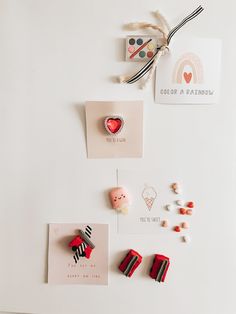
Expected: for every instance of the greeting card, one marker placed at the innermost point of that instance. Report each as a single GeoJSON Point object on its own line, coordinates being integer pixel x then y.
{"type": "Point", "coordinates": [189, 73]}
{"type": "Point", "coordinates": [114, 129]}
{"type": "Point", "coordinates": [153, 200]}
{"type": "Point", "coordinates": [78, 254]}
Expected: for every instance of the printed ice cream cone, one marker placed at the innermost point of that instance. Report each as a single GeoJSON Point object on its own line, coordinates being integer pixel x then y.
{"type": "Point", "coordinates": [149, 195]}
{"type": "Point", "coordinates": [149, 202]}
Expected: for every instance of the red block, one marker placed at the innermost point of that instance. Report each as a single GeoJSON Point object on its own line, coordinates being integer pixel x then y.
{"type": "Point", "coordinates": [130, 263]}
{"type": "Point", "coordinates": [76, 241]}
{"type": "Point", "coordinates": [159, 267]}
{"type": "Point", "coordinates": [88, 251]}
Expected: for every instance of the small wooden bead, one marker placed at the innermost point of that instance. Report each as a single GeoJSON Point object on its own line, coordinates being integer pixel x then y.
{"type": "Point", "coordinates": [185, 225]}
{"type": "Point", "coordinates": [174, 186]}
{"type": "Point", "coordinates": [165, 223]}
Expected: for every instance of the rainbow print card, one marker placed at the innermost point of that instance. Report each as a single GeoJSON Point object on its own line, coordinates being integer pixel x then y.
{"type": "Point", "coordinates": [189, 73]}
{"type": "Point", "coordinates": [67, 264]}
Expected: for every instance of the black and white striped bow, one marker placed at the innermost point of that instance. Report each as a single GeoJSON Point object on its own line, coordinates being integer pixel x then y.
{"type": "Point", "coordinates": [151, 64]}
{"type": "Point", "coordinates": [80, 250]}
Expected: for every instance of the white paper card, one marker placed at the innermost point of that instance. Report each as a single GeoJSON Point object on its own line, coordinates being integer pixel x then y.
{"type": "Point", "coordinates": [189, 73]}
{"type": "Point", "coordinates": [150, 192]}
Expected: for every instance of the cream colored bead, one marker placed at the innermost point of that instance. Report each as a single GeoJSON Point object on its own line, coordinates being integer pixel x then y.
{"type": "Point", "coordinates": [176, 188]}
{"type": "Point", "coordinates": [180, 202]}
{"type": "Point", "coordinates": [178, 191]}
{"type": "Point", "coordinates": [186, 239]}
{"type": "Point", "coordinates": [170, 207]}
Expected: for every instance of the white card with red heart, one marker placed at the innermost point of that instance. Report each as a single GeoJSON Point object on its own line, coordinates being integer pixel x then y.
{"type": "Point", "coordinates": [189, 73]}
{"type": "Point", "coordinates": [114, 129]}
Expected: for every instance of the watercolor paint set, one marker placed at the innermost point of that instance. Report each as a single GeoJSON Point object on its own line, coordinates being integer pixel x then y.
{"type": "Point", "coordinates": [140, 48]}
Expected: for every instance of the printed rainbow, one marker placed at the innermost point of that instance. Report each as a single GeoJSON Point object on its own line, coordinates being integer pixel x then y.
{"type": "Point", "coordinates": [194, 63]}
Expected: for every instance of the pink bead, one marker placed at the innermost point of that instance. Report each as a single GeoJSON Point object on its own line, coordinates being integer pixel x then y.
{"type": "Point", "coordinates": [185, 225]}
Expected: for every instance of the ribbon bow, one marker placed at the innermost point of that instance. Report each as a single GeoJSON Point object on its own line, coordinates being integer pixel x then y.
{"type": "Point", "coordinates": [167, 34]}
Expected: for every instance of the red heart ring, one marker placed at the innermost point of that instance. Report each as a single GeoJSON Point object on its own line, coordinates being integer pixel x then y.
{"type": "Point", "coordinates": [113, 124]}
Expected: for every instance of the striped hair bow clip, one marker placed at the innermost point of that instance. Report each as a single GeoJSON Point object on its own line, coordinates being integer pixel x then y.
{"type": "Point", "coordinates": [167, 34]}
{"type": "Point", "coordinates": [82, 245]}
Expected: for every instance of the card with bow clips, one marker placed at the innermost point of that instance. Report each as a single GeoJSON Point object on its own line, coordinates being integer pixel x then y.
{"type": "Point", "coordinates": [78, 253]}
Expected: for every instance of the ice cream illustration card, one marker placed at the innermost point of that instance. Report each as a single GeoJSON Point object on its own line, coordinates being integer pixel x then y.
{"type": "Point", "coordinates": [149, 193]}
{"type": "Point", "coordinates": [189, 73]}
{"type": "Point", "coordinates": [78, 254]}
{"type": "Point", "coordinates": [114, 129]}
{"type": "Point", "coordinates": [144, 213]}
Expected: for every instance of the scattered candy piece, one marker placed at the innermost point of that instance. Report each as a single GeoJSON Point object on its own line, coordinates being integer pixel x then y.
{"type": "Point", "coordinates": [119, 199]}
{"type": "Point", "coordinates": [189, 212]}
{"type": "Point", "coordinates": [190, 205]}
{"type": "Point", "coordinates": [176, 188]}
{"type": "Point", "coordinates": [165, 223]}
{"type": "Point", "coordinates": [182, 211]}
{"type": "Point", "coordinates": [170, 207]}
{"type": "Point", "coordinates": [130, 263]}
{"type": "Point", "coordinates": [180, 202]}
{"type": "Point", "coordinates": [184, 225]}
{"type": "Point", "coordinates": [186, 239]}
{"type": "Point", "coordinates": [159, 267]}
{"type": "Point", "coordinates": [178, 191]}
{"type": "Point", "coordinates": [177, 229]}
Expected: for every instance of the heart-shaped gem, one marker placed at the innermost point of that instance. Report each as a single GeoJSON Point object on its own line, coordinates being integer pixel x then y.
{"type": "Point", "coordinates": [113, 124]}
{"type": "Point", "coordinates": [187, 77]}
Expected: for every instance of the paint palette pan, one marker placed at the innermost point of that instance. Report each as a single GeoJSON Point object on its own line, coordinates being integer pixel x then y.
{"type": "Point", "coordinates": [140, 48]}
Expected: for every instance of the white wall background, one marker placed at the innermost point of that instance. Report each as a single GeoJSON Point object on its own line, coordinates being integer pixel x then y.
{"type": "Point", "coordinates": [54, 55]}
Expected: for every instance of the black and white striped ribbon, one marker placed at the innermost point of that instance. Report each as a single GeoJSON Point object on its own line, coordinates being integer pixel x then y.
{"type": "Point", "coordinates": [88, 231]}
{"type": "Point", "coordinates": [149, 64]}
{"type": "Point", "coordinates": [81, 248]}
{"type": "Point", "coordinates": [79, 252]}
{"type": "Point", "coordinates": [86, 239]}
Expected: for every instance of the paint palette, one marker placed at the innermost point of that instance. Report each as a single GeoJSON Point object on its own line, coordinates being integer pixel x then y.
{"type": "Point", "coordinates": [140, 48]}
